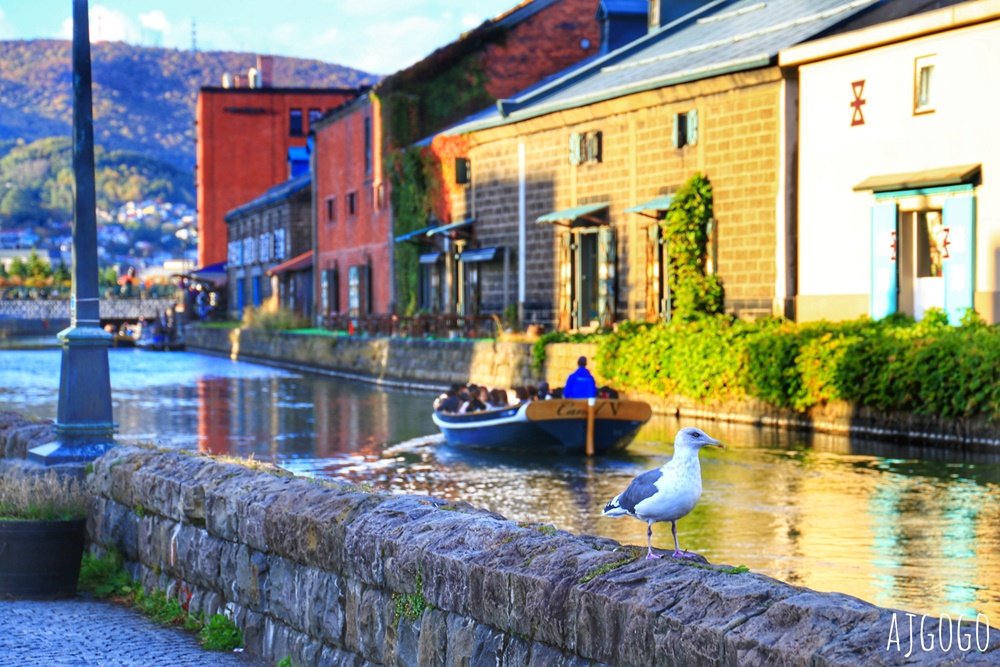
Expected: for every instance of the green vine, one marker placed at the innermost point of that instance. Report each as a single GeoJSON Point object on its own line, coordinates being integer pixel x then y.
{"type": "Point", "coordinates": [411, 206]}
{"type": "Point", "coordinates": [694, 293]}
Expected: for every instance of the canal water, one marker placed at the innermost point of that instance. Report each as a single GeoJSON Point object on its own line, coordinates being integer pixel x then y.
{"type": "Point", "coordinates": [909, 527]}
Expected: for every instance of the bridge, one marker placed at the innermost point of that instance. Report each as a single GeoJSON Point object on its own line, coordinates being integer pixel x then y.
{"type": "Point", "coordinates": [43, 316]}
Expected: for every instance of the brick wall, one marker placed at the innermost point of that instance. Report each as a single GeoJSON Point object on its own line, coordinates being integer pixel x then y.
{"type": "Point", "coordinates": [545, 43]}
{"type": "Point", "coordinates": [243, 142]}
{"type": "Point", "coordinates": [364, 237]}
{"type": "Point", "coordinates": [738, 149]}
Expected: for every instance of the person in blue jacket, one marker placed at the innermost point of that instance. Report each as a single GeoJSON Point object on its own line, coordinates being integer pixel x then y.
{"type": "Point", "coordinates": [580, 383]}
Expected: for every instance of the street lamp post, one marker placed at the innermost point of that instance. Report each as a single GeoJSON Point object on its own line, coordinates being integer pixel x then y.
{"type": "Point", "coordinates": [84, 422]}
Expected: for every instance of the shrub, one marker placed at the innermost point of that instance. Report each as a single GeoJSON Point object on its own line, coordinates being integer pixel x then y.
{"type": "Point", "coordinates": [271, 317]}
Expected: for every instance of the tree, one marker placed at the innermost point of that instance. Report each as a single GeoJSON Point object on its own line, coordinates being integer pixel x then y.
{"type": "Point", "coordinates": [37, 268]}
{"type": "Point", "coordinates": [61, 276]}
{"type": "Point", "coordinates": [18, 269]}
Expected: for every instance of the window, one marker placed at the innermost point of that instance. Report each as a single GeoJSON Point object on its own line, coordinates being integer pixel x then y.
{"type": "Point", "coordinates": [314, 115]}
{"type": "Point", "coordinates": [686, 129]}
{"type": "Point", "coordinates": [331, 209]}
{"type": "Point", "coordinates": [585, 147]}
{"type": "Point", "coordinates": [295, 122]}
{"type": "Point", "coordinates": [279, 244]}
{"type": "Point", "coordinates": [923, 85]}
{"type": "Point", "coordinates": [352, 203]}
{"type": "Point", "coordinates": [368, 146]}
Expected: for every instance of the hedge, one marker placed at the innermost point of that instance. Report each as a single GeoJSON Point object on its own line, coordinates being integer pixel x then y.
{"type": "Point", "coordinates": [927, 368]}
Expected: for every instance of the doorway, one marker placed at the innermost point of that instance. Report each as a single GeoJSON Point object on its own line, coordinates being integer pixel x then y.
{"type": "Point", "coordinates": [922, 251]}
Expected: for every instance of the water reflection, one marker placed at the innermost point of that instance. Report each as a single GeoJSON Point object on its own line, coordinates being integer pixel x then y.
{"type": "Point", "coordinates": [901, 526]}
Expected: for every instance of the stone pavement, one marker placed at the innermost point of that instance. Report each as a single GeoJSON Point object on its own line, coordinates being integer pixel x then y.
{"type": "Point", "coordinates": [86, 633]}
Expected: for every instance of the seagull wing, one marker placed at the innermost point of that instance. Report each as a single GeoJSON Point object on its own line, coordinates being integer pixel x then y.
{"type": "Point", "coordinates": [642, 487]}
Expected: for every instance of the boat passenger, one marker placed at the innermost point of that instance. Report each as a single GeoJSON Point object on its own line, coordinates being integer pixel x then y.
{"type": "Point", "coordinates": [607, 392]}
{"type": "Point", "coordinates": [580, 383]}
{"type": "Point", "coordinates": [453, 391]}
{"type": "Point", "coordinates": [451, 403]}
{"type": "Point", "coordinates": [532, 392]}
{"type": "Point", "coordinates": [498, 398]}
{"type": "Point", "coordinates": [543, 391]}
{"type": "Point", "coordinates": [521, 394]}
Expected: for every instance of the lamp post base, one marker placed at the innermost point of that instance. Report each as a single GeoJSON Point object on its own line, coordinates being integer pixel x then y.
{"type": "Point", "coordinates": [59, 453]}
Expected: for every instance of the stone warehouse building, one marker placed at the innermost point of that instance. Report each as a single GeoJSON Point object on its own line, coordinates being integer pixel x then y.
{"type": "Point", "coordinates": [572, 174]}
{"type": "Point", "coordinates": [270, 248]}
{"type": "Point", "coordinates": [245, 132]}
{"type": "Point", "coordinates": [357, 147]}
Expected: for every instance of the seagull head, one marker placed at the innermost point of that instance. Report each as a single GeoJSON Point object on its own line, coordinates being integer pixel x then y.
{"type": "Point", "coordinates": [695, 439]}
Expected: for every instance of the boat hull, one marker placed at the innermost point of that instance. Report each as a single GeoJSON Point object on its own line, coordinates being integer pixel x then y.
{"type": "Point", "coordinates": [556, 426]}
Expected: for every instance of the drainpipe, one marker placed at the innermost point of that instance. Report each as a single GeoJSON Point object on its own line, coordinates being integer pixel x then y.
{"type": "Point", "coordinates": [317, 284]}
{"type": "Point", "coordinates": [522, 269]}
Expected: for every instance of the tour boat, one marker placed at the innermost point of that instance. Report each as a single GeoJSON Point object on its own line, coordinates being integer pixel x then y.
{"type": "Point", "coordinates": [554, 425]}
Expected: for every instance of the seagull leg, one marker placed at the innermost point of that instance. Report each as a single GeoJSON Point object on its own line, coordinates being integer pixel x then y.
{"type": "Point", "coordinates": [649, 543]}
{"type": "Point", "coordinates": [677, 547]}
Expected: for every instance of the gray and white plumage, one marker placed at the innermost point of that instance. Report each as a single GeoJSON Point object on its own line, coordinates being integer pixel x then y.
{"type": "Point", "coordinates": [667, 493]}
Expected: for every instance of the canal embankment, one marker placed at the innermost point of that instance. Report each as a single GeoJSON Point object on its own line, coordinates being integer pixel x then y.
{"type": "Point", "coordinates": [335, 574]}
{"type": "Point", "coordinates": [435, 364]}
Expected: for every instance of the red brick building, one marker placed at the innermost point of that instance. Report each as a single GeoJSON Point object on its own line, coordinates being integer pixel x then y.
{"type": "Point", "coordinates": [353, 222]}
{"type": "Point", "coordinates": [355, 225]}
{"type": "Point", "coordinates": [244, 136]}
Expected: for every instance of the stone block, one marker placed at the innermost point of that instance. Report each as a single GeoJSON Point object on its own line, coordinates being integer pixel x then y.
{"type": "Point", "coordinates": [461, 641]}
{"type": "Point", "coordinates": [432, 645]}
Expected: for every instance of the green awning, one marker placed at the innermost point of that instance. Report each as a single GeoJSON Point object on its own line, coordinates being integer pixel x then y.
{"type": "Point", "coordinates": [578, 216]}
{"type": "Point", "coordinates": [916, 180]}
{"type": "Point", "coordinates": [653, 207]}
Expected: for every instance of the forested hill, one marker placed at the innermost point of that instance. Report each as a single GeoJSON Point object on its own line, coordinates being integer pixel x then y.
{"type": "Point", "coordinates": [144, 98]}
{"type": "Point", "coordinates": [36, 181]}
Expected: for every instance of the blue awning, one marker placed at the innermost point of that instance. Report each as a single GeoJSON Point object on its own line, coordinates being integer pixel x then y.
{"type": "Point", "coordinates": [431, 231]}
{"type": "Point", "coordinates": [653, 206]}
{"type": "Point", "coordinates": [578, 216]}
{"type": "Point", "coordinates": [430, 258]}
{"type": "Point", "coordinates": [479, 255]}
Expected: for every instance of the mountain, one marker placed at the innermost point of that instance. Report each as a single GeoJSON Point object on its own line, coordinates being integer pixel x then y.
{"type": "Point", "coordinates": [144, 98]}
{"type": "Point", "coordinates": [36, 181]}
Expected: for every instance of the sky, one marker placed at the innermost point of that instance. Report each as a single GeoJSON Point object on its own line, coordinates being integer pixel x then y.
{"type": "Point", "coordinates": [378, 36]}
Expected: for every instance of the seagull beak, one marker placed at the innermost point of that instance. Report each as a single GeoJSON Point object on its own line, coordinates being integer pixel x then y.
{"type": "Point", "coordinates": [716, 443]}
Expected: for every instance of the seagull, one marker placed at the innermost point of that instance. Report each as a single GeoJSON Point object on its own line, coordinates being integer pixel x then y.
{"type": "Point", "coordinates": [667, 493]}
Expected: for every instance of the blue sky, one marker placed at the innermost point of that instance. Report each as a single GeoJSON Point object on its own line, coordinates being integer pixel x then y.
{"type": "Point", "coordinates": [378, 36]}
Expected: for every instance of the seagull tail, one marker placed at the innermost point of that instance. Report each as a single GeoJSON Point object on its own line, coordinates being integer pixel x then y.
{"type": "Point", "coordinates": [614, 509]}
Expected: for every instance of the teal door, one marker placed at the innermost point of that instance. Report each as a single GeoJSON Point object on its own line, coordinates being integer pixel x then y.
{"type": "Point", "coordinates": [885, 278]}
{"type": "Point", "coordinates": [960, 259]}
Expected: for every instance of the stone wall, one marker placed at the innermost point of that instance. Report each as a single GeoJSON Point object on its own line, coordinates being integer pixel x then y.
{"type": "Point", "coordinates": [429, 364]}
{"type": "Point", "coordinates": [417, 363]}
{"type": "Point", "coordinates": [332, 575]}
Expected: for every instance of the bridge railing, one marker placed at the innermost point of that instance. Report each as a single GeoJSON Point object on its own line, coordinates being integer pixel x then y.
{"type": "Point", "coordinates": [58, 309]}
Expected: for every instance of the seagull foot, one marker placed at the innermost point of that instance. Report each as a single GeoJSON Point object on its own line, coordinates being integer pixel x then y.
{"type": "Point", "coordinates": [652, 556]}
{"type": "Point", "coordinates": [683, 554]}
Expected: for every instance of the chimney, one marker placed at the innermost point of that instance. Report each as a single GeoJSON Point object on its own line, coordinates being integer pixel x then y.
{"type": "Point", "coordinates": [238, 81]}
{"type": "Point", "coordinates": [622, 21]}
{"type": "Point", "coordinates": [253, 77]}
{"type": "Point", "coordinates": [265, 65]}
{"type": "Point", "coordinates": [662, 12]}
{"type": "Point", "coordinates": [227, 80]}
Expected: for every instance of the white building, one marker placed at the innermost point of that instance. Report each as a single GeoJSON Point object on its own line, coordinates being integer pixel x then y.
{"type": "Point", "coordinates": [898, 139]}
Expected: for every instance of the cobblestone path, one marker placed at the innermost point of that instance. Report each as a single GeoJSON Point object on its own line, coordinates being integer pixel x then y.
{"type": "Point", "coordinates": [86, 633]}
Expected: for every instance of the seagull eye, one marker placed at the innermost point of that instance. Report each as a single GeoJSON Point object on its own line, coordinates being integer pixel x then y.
{"type": "Point", "coordinates": [697, 435]}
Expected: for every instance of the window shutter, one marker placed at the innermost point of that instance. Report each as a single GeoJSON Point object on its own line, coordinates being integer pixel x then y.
{"type": "Point", "coordinates": [606, 277]}
{"type": "Point", "coordinates": [594, 147]}
{"type": "Point", "coordinates": [652, 272]}
{"type": "Point", "coordinates": [883, 300]}
{"type": "Point", "coordinates": [960, 262]}
{"type": "Point", "coordinates": [692, 127]}
{"type": "Point", "coordinates": [677, 130]}
{"type": "Point", "coordinates": [565, 280]}
{"type": "Point", "coordinates": [575, 148]}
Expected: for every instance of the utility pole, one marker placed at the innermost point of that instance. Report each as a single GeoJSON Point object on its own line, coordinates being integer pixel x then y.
{"type": "Point", "coordinates": [84, 423]}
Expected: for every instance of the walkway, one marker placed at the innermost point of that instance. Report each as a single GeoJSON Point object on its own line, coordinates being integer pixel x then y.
{"type": "Point", "coordinates": [83, 633]}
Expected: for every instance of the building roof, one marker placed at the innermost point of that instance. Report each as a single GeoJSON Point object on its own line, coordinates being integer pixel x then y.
{"type": "Point", "coordinates": [718, 38]}
{"type": "Point", "coordinates": [941, 20]}
{"type": "Point", "coordinates": [275, 194]}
